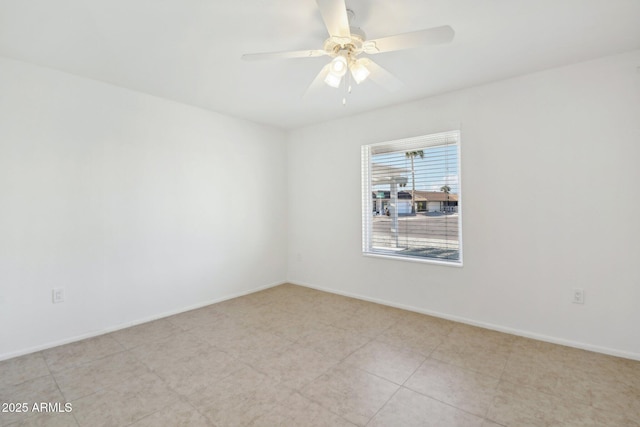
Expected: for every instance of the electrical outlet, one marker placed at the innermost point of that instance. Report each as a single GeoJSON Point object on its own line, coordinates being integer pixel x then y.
{"type": "Point", "coordinates": [58, 295]}
{"type": "Point", "coordinates": [578, 296]}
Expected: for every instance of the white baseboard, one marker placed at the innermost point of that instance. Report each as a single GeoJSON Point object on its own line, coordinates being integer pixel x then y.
{"type": "Point", "coordinates": [494, 327]}
{"type": "Point", "coordinates": [125, 325]}
{"type": "Point", "coordinates": [512, 331]}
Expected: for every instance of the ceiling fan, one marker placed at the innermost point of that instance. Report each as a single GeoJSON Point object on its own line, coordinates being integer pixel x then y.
{"type": "Point", "coordinates": [346, 44]}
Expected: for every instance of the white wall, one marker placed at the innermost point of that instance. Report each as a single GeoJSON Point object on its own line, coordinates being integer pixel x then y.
{"type": "Point", "coordinates": [550, 181]}
{"type": "Point", "coordinates": [137, 206]}
{"type": "Point", "coordinates": [122, 199]}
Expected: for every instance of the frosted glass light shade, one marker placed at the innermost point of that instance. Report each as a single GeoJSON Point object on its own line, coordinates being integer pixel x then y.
{"type": "Point", "coordinates": [359, 71]}
{"type": "Point", "coordinates": [338, 66]}
{"type": "Point", "coordinates": [333, 80]}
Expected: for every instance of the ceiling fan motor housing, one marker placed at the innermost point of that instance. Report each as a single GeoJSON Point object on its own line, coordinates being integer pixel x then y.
{"type": "Point", "coordinates": [353, 45]}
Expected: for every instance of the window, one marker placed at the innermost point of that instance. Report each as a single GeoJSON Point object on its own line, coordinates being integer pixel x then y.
{"type": "Point", "coordinates": [411, 200]}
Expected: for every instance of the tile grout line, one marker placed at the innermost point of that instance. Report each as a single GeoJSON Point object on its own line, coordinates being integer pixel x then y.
{"type": "Point", "coordinates": [431, 397]}
{"type": "Point", "coordinates": [383, 405]}
{"type": "Point", "coordinates": [58, 386]}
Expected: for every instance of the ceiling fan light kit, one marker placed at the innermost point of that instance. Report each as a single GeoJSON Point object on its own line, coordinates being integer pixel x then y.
{"type": "Point", "coordinates": [359, 70]}
{"type": "Point", "coordinates": [346, 43]}
{"type": "Point", "coordinates": [338, 66]}
{"type": "Point", "coordinates": [333, 80]}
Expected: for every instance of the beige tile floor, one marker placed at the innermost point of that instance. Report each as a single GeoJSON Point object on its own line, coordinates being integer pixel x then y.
{"type": "Point", "coordinates": [292, 356]}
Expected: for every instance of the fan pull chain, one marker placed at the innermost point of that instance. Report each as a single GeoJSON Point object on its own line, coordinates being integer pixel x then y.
{"type": "Point", "coordinates": [347, 88]}
{"type": "Point", "coordinates": [344, 98]}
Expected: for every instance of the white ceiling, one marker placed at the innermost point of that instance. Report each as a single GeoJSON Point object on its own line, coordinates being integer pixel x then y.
{"type": "Point", "coordinates": [189, 50]}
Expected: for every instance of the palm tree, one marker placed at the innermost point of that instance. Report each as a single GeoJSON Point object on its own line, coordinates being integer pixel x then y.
{"type": "Point", "coordinates": [411, 155]}
{"type": "Point", "coordinates": [446, 189]}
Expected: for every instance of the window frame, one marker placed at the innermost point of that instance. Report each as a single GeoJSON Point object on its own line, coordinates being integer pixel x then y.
{"type": "Point", "coordinates": [404, 145]}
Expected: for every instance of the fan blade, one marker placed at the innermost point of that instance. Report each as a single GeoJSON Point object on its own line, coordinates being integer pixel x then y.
{"type": "Point", "coordinates": [284, 55]}
{"type": "Point", "coordinates": [318, 81]}
{"type": "Point", "coordinates": [382, 77]}
{"type": "Point", "coordinates": [411, 40]}
{"type": "Point", "coordinates": [334, 15]}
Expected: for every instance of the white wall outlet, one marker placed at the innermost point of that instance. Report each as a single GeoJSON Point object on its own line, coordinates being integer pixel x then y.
{"type": "Point", "coordinates": [58, 295]}
{"type": "Point", "coordinates": [578, 296]}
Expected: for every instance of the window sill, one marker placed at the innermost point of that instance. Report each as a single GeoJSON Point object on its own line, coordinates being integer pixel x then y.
{"type": "Point", "coordinates": [457, 264]}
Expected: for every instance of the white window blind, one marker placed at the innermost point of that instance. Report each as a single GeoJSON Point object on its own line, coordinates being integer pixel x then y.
{"type": "Point", "coordinates": [411, 198]}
